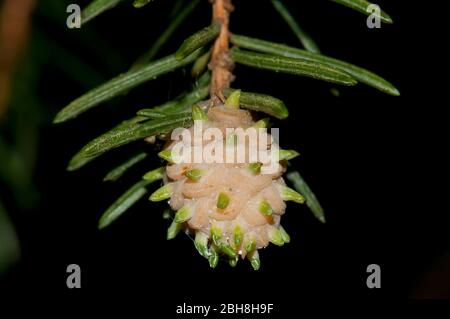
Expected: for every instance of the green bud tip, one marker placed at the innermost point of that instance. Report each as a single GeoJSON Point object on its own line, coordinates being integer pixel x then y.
{"type": "Point", "coordinates": [263, 123]}
{"type": "Point", "coordinates": [265, 208]}
{"type": "Point", "coordinates": [286, 155]}
{"type": "Point", "coordinates": [250, 245]}
{"type": "Point", "coordinates": [216, 235]}
{"type": "Point", "coordinates": [166, 155]}
{"type": "Point", "coordinates": [255, 168]}
{"type": "Point", "coordinates": [237, 236]}
{"type": "Point", "coordinates": [233, 262]}
{"type": "Point", "coordinates": [284, 235]}
{"type": "Point", "coordinates": [254, 260]}
{"type": "Point", "coordinates": [194, 174]}
{"type": "Point", "coordinates": [173, 230]}
{"type": "Point", "coordinates": [233, 100]}
{"type": "Point", "coordinates": [288, 194]}
{"type": "Point", "coordinates": [275, 237]}
{"type": "Point", "coordinates": [223, 200]}
{"type": "Point", "coordinates": [198, 114]}
{"type": "Point", "coordinates": [162, 193]}
{"type": "Point", "coordinates": [227, 250]}
{"type": "Point", "coordinates": [154, 175]}
{"type": "Point", "coordinates": [201, 244]}
{"type": "Point", "coordinates": [183, 214]}
{"type": "Point", "coordinates": [213, 257]}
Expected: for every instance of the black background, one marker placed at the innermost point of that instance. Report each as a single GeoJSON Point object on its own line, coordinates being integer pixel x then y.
{"type": "Point", "coordinates": [361, 154]}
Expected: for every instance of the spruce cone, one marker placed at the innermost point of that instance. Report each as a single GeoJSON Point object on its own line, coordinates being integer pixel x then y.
{"type": "Point", "coordinates": [234, 208]}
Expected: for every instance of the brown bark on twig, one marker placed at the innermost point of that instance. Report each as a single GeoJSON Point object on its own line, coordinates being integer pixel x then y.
{"type": "Point", "coordinates": [221, 64]}
{"type": "Point", "coordinates": [15, 16]}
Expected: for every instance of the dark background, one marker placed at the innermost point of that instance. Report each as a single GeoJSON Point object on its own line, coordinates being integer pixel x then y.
{"type": "Point", "coordinates": [361, 153]}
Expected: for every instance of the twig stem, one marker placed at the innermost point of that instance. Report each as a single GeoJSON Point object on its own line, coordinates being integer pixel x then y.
{"type": "Point", "coordinates": [221, 64]}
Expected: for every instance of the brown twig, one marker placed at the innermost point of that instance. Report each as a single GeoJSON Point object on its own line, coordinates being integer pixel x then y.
{"type": "Point", "coordinates": [15, 21]}
{"type": "Point", "coordinates": [221, 64]}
